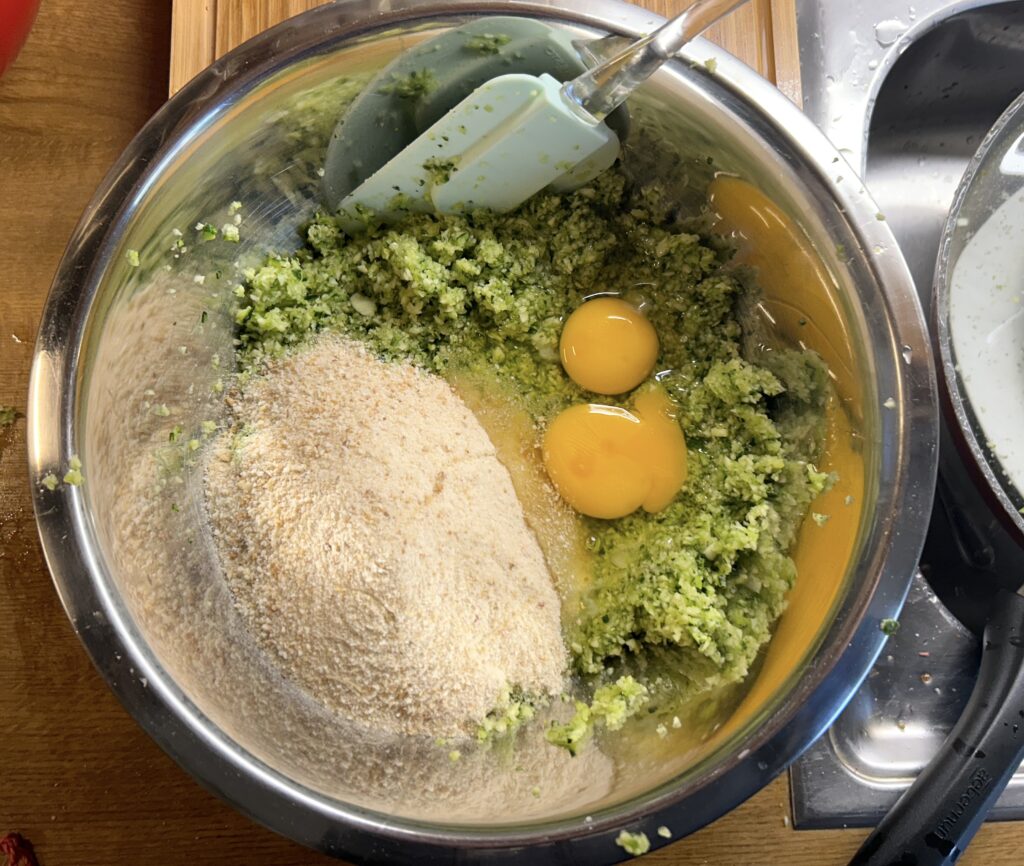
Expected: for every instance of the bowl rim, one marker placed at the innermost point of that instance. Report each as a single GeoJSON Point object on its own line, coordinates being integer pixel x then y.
{"type": "Point", "coordinates": [848, 652]}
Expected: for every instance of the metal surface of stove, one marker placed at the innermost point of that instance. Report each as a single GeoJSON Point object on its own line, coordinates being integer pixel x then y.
{"type": "Point", "coordinates": [907, 91]}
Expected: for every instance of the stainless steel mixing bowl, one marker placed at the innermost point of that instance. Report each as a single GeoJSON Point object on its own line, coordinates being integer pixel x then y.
{"type": "Point", "coordinates": [124, 351]}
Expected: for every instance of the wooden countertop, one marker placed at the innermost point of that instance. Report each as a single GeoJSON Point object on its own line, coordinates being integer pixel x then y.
{"type": "Point", "coordinates": [762, 32]}
{"type": "Point", "coordinates": [77, 776]}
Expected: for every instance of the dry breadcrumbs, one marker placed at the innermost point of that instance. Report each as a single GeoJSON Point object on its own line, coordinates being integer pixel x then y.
{"type": "Point", "coordinates": [375, 545]}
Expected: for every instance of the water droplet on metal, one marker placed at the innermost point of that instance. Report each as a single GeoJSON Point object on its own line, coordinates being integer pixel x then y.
{"type": "Point", "coordinates": [908, 354]}
{"type": "Point", "coordinates": [888, 31]}
{"type": "Point", "coordinates": [872, 64]}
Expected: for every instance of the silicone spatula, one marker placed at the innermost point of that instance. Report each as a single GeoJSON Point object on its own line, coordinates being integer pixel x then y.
{"type": "Point", "coordinates": [422, 84]}
{"type": "Point", "coordinates": [517, 134]}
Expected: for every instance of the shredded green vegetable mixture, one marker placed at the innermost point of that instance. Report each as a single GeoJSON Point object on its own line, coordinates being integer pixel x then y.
{"type": "Point", "coordinates": [694, 589]}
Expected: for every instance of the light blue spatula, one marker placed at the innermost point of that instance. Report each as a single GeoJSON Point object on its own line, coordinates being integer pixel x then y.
{"type": "Point", "coordinates": [518, 134]}
{"type": "Point", "coordinates": [423, 84]}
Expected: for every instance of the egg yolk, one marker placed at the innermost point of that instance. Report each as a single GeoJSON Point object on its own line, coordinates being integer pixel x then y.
{"type": "Point", "coordinates": [608, 346]}
{"type": "Point", "coordinates": [607, 462]}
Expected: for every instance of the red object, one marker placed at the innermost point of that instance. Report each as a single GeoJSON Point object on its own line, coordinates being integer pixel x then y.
{"type": "Point", "coordinates": [15, 847]}
{"type": "Point", "coordinates": [16, 17]}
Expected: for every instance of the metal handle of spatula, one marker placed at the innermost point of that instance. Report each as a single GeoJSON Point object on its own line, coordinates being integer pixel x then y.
{"type": "Point", "coordinates": [936, 817]}
{"type": "Point", "coordinates": [601, 90]}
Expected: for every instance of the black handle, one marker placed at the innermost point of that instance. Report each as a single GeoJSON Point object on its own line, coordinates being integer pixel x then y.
{"type": "Point", "coordinates": [937, 817]}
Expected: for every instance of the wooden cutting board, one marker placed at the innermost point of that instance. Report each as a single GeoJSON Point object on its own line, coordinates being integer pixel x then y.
{"type": "Point", "coordinates": [762, 33]}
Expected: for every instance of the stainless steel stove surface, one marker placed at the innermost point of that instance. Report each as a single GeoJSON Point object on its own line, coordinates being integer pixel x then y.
{"type": "Point", "coordinates": [907, 91]}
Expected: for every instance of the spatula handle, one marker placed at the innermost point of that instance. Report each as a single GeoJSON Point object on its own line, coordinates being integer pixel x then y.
{"type": "Point", "coordinates": [936, 817]}
{"type": "Point", "coordinates": [604, 88]}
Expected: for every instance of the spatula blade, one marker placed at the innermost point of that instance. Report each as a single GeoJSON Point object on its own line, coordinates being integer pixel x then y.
{"type": "Point", "coordinates": [506, 141]}
{"type": "Point", "coordinates": [540, 142]}
{"type": "Point", "coordinates": [381, 121]}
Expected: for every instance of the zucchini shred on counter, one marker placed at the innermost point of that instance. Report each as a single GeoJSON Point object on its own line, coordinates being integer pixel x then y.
{"type": "Point", "coordinates": [671, 604]}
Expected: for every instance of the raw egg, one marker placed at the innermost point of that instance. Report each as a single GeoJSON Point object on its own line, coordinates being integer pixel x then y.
{"type": "Point", "coordinates": [607, 462]}
{"type": "Point", "coordinates": [608, 346]}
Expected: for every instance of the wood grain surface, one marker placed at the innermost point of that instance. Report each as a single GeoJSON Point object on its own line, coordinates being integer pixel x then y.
{"type": "Point", "coordinates": [77, 776]}
{"type": "Point", "coordinates": [205, 29]}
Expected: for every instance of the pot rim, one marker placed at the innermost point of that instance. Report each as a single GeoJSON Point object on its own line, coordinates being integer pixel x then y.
{"type": "Point", "coordinates": [849, 649]}
{"type": "Point", "coordinates": [983, 464]}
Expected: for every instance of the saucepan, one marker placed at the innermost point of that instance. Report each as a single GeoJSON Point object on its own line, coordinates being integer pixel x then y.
{"type": "Point", "coordinates": [124, 334]}
{"type": "Point", "coordinates": [978, 337]}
